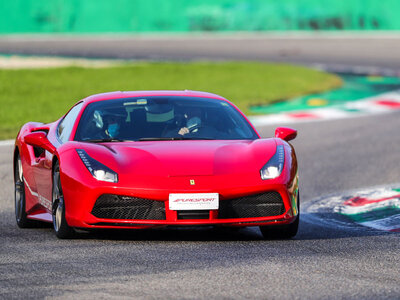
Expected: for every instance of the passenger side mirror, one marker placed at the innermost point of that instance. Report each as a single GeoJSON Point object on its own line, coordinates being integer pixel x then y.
{"type": "Point", "coordinates": [39, 139]}
{"type": "Point", "coordinates": [285, 133]}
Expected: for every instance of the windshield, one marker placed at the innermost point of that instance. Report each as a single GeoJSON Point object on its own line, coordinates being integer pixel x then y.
{"type": "Point", "coordinates": [162, 118]}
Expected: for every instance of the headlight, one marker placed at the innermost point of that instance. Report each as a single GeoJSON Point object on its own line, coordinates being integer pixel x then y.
{"type": "Point", "coordinates": [97, 169]}
{"type": "Point", "coordinates": [273, 168]}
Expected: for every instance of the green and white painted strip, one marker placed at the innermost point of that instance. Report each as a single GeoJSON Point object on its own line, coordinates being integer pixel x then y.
{"type": "Point", "coordinates": [359, 96]}
{"type": "Point", "coordinates": [375, 208]}
{"type": "Point", "coordinates": [382, 103]}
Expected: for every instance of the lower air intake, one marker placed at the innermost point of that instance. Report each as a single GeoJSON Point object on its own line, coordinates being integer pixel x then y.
{"type": "Point", "coordinates": [109, 206]}
{"type": "Point", "coordinates": [260, 205]}
{"type": "Point", "coordinates": [193, 214]}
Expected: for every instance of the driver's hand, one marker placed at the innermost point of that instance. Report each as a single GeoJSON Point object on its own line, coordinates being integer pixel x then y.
{"type": "Point", "coordinates": [183, 131]}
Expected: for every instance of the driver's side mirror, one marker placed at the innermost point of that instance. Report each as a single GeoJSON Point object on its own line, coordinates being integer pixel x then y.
{"type": "Point", "coordinates": [39, 139]}
{"type": "Point", "coordinates": [285, 133]}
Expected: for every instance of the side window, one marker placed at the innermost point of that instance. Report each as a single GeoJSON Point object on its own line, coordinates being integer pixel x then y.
{"type": "Point", "coordinates": [66, 125]}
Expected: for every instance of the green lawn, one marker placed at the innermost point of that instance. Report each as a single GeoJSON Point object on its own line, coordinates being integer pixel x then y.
{"type": "Point", "coordinates": [44, 95]}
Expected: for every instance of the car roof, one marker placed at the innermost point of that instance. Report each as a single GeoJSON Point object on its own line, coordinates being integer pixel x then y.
{"type": "Point", "coordinates": [130, 94]}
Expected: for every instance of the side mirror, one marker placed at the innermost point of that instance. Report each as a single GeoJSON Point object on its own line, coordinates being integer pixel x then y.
{"type": "Point", "coordinates": [39, 139]}
{"type": "Point", "coordinates": [285, 133]}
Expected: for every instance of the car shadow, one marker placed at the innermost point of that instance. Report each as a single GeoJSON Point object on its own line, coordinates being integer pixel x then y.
{"type": "Point", "coordinates": [307, 231]}
{"type": "Point", "coordinates": [313, 226]}
{"type": "Point", "coordinates": [173, 233]}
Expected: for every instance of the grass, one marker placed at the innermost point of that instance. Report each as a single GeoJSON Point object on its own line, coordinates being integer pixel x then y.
{"type": "Point", "coordinates": [44, 95]}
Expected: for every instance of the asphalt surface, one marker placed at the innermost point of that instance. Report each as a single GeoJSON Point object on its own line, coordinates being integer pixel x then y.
{"type": "Point", "coordinates": [322, 262]}
{"type": "Point", "coordinates": [335, 50]}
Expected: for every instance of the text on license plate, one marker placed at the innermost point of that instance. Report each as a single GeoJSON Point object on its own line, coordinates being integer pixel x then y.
{"type": "Point", "coordinates": [193, 201]}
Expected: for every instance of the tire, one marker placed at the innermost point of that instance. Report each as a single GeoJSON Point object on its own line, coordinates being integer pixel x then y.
{"type": "Point", "coordinates": [60, 225]}
{"type": "Point", "coordinates": [19, 197]}
{"type": "Point", "coordinates": [283, 231]}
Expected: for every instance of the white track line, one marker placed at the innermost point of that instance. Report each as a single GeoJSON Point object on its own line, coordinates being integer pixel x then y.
{"type": "Point", "coordinates": [7, 143]}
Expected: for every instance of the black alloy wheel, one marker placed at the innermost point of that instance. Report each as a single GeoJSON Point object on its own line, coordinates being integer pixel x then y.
{"type": "Point", "coordinates": [60, 225]}
{"type": "Point", "coordinates": [19, 196]}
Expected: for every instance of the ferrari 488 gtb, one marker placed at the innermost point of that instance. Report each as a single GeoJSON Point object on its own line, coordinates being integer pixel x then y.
{"type": "Point", "coordinates": [156, 158]}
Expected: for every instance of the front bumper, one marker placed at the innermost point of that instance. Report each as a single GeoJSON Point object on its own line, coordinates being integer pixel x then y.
{"type": "Point", "coordinates": [81, 191]}
{"type": "Point", "coordinates": [80, 200]}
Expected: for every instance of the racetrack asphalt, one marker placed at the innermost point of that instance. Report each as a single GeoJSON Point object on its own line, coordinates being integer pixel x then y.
{"type": "Point", "coordinates": [321, 262]}
{"type": "Point", "coordinates": [342, 50]}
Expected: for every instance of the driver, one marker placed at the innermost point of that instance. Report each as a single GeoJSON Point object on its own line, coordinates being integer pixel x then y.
{"type": "Point", "coordinates": [114, 121]}
{"type": "Point", "coordinates": [193, 121]}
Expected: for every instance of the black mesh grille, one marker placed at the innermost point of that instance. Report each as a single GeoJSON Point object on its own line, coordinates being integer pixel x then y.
{"type": "Point", "coordinates": [122, 207]}
{"type": "Point", "coordinates": [260, 205]}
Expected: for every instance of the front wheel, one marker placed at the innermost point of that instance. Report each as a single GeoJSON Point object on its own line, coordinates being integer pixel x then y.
{"type": "Point", "coordinates": [283, 231]}
{"type": "Point", "coordinates": [19, 197]}
{"type": "Point", "coordinates": [61, 227]}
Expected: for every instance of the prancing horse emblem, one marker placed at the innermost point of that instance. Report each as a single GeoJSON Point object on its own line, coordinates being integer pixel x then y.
{"type": "Point", "coordinates": [192, 182]}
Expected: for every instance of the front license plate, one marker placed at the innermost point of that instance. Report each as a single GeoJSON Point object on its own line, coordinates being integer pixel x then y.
{"type": "Point", "coordinates": [206, 201]}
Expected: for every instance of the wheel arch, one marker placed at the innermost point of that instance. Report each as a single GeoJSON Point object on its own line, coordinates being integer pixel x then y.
{"type": "Point", "coordinates": [53, 162]}
{"type": "Point", "coordinates": [15, 155]}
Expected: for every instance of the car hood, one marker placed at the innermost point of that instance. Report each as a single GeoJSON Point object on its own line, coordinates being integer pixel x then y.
{"type": "Point", "coordinates": [184, 158]}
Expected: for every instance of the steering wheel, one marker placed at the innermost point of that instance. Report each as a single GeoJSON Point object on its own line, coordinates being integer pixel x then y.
{"type": "Point", "coordinates": [193, 128]}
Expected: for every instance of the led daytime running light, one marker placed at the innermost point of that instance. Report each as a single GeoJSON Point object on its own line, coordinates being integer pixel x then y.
{"type": "Point", "coordinates": [273, 168]}
{"type": "Point", "coordinates": [97, 169]}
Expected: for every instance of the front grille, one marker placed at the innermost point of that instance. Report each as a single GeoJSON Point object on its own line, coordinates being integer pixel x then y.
{"type": "Point", "coordinates": [260, 205]}
{"type": "Point", "coordinates": [193, 214]}
{"type": "Point", "coordinates": [109, 206]}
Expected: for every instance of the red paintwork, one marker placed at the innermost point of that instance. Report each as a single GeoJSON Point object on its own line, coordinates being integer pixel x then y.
{"type": "Point", "coordinates": [152, 170]}
{"type": "Point", "coordinates": [302, 115]}
{"type": "Point", "coordinates": [285, 133]}
{"type": "Point", "coordinates": [361, 201]}
{"type": "Point", "coordinates": [39, 138]}
{"type": "Point", "coordinates": [393, 104]}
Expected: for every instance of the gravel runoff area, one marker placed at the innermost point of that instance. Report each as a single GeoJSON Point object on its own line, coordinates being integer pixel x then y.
{"type": "Point", "coordinates": [33, 62]}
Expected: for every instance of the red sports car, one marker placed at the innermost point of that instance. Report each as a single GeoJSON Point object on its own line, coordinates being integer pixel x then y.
{"type": "Point", "coordinates": [155, 158]}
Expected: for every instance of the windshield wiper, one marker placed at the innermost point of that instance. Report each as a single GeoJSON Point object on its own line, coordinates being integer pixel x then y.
{"type": "Point", "coordinates": [180, 138]}
{"type": "Point", "coordinates": [106, 140]}
{"type": "Point", "coordinates": [197, 138]}
{"type": "Point", "coordinates": [160, 139]}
